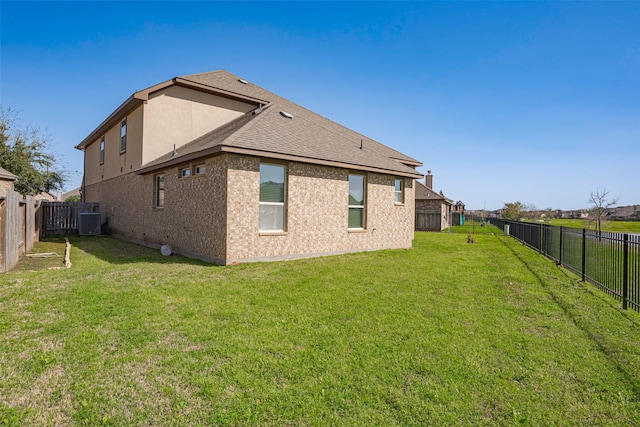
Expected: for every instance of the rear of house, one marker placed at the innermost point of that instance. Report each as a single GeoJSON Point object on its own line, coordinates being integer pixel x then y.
{"type": "Point", "coordinates": [223, 170]}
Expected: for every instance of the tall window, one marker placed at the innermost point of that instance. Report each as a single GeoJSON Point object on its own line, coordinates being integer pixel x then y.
{"type": "Point", "coordinates": [272, 197]}
{"type": "Point", "coordinates": [357, 201]}
{"type": "Point", "coordinates": [123, 136]}
{"type": "Point", "coordinates": [399, 191]}
{"type": "Point", "coordinates": [158, 188]}
{"type": "Point", "coordinates": [102, 150]}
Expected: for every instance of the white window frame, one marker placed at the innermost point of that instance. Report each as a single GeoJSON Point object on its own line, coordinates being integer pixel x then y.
{"type": "Point", "coordinates": [363, 206]}
{"type": "Point", "coordinates": [102, 144]}
{"type": "Point", "coordinates": [123, 136]}
{"type": "Point", "coordinates": [283, 203]}
{"type": "Point", "coordinates": [185, 172]}
{"type": "Point", "coordinates": [199, 169]}
{"type": "Point", "coordinates": [398, 196]}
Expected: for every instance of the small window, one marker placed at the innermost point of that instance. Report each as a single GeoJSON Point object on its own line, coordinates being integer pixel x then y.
{"type": "Point", "coordinates": [199, 170]}
{"type": "Point", "coordinates": [102, 150]}
{"type": "Point", "coordinates": [272, 197]}
{"type": "Point", "coordinates": [399, 191]}
{"type": "Point", "coordinates": [123, 136]}
{"type": "Point", "coordinates": [357, 201]}
{"type": "Point", "coordinates": [159, 191]}
{"type": "Point", "coordinates": [185, 172]}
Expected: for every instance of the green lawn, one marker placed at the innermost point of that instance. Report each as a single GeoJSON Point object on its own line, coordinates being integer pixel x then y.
{"type": "Point", "coordinates": [447, 333]}
{"type": "Point", "coordinates": [615, 226]}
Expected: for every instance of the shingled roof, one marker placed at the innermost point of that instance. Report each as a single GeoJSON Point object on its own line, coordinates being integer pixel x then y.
{"type": "Point", "coordinates": [6, 175]}
{"type": "Point", "coordinates": [425, 193]}
{"type": "Point", "coordinates": [279, 128]}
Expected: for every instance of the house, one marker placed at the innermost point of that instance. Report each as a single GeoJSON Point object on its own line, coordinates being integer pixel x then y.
{"type": "Point", "coordinates": [47, 197]}
{"type": "Point", "coordinates": [75, 193]}
{"type": "Point", "coordinates": [623, 213]}
{"type": "Point", "coordinates": [6, 181]}
{"type": "Point", "coordinates": [220, 169]}
{"type": "Point", "coordinates": [457, 213]}
{"type": "Point", "coordinates": [433, 209]}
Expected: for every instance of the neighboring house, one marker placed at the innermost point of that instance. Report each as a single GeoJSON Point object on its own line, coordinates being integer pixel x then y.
{"type": "Point", "coordinates": [6, 181]}
{"type": "Point", "coordinates": [46, 196]}
{"type": "Point", "coordinates": [457, 213]}
{"type": "Point", "coordinates": [623, 213]}
{"type": "Point", "coordinates": [223, 170]}
{"type": "Point", "coordinates": [72, 193]}
{"type": "Point", "coordinates": [433, 210]}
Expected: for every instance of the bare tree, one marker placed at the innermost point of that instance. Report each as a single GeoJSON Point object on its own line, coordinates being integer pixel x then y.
{"type": "Point", "coordinates": [530, 212]}
{"type": "Point", "coordinates": [600, 202]}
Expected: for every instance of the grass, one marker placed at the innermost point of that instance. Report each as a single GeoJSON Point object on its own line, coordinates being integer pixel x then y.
{"type": "Point", "coordinates": [447, 333]}
{"type": "Point", "coordinates": [614, 226]}
{"type": "Point", "coordinates": [55, 246]}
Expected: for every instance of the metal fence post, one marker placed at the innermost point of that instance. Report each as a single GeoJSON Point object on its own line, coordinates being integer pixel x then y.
{"type": "Point", "coordinates": [625, 271]}
{"type": "Point", "coordinates": [560, 254]}
{"type": "Point", "coordinates": [584, 253]}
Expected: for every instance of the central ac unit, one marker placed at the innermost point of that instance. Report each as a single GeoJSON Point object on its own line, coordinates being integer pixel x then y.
{"type": "Point", "coordinates": [89, 223]}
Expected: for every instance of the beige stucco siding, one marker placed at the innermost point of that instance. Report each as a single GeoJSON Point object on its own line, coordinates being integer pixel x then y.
{"type": "Point", "coordinates": [177, 115]}
{"type": "Point", "coordinates": [317, 213]}
{"type": "Point", "coordinates": [115, 162]}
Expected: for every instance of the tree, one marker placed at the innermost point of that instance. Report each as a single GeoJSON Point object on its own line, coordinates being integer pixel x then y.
{"type": "Point", "coordinates": [600, 202]}
{"type": "Point", "coordinates": [530, 212]}
{"type": "Point", "coordinates": [23, 152]}
{"type": "Point", "coordinates": [512, 211]}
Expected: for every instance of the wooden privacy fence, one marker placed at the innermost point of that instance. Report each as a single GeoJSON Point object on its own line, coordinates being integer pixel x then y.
{"type": "Point", "coordinates": [18, 230]}
{"type": "Point", "coordinates": [62, 217]}
{"type": "Point", "coordinates": [428, 221]}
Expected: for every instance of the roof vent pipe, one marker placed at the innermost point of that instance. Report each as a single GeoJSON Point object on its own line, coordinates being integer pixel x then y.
{"type": "Point", "coordinates": [361, 144]}
{"type": "Point", "coordinates": [174, 151]}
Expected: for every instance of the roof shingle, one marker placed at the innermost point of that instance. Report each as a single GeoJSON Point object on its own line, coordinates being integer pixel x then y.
{"type": "Point", "coordinates": [307, 136]}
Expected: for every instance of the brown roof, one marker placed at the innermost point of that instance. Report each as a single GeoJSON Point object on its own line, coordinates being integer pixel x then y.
{"type": "Point", "coordinates": [425, 193]}
{"type": "Point", "coordinates": [6, 175]}
{"type": "Point", "coordinates": [304, 136]}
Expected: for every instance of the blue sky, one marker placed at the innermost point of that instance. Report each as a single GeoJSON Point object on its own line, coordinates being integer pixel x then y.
{"type": "Point", "coordinates": [536, 102]}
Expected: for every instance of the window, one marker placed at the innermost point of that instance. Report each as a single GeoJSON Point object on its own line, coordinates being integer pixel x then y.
{"type": "Point", "coordinates": [399, 191]}
{"type": "Point", "coordinates": [123, 136]}
{"type": "Point", "coordinates": [185, 172]}
{"type": "Point", "coordinates": [357, 201]}
{"type": "Point", "coordinates": [158, 191]}
{"type": "Point", "coordinates": [199, 170]}
{"type": "Point", "coordinates": [272, 197]}
{"type": "Point", "coordinates": [102, 150]}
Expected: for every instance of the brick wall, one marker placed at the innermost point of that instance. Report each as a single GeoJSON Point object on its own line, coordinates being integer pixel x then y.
{"type": "Point", "coordinates": [192, 220]}
{"type": "Point", "coordinates": [317, 210]}
{"type": "Point", "coordinates": [216, 216]}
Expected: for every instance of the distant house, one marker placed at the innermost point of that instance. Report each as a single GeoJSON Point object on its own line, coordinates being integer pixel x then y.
{"type": "Point", "coordinates": [623, 213]}
{"type": "Point", "coordinates": [72, 193]}
{"type": "Point", "coordinates": [224, 170]}
{"type": "Point", "coordinates": [433, 209]}
{"type": "Point", "coordinates": [7, 180]}
{"type": "Point", "coordinates": [457, 213]}
{"type": "Point", "coordinates": [46, 196]}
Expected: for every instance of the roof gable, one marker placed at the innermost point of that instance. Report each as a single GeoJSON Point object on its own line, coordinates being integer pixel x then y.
{"type": "Point", "coordinates": [425, 193]}
{"type": "Point", "coordinates": [283, 129]}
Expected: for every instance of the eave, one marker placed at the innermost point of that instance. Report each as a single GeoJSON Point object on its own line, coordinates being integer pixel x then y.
{"type": "Point", "coordinates": [140, 97]}
{"type": "Point", "coordinates": [270, 155]}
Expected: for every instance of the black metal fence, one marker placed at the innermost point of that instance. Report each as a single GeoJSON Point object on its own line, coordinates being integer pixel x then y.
{"type": "Point", "coordinates": [610, 261]}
